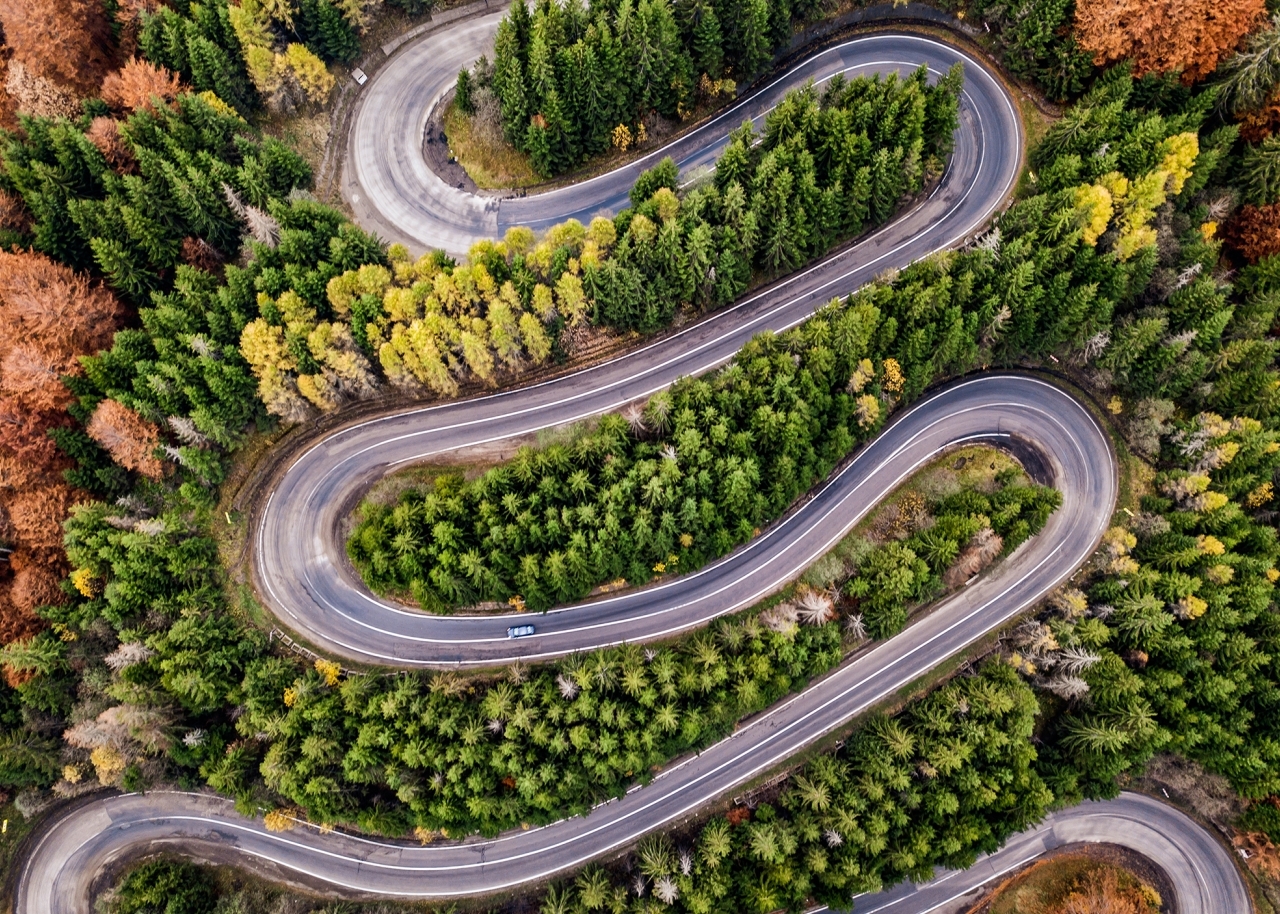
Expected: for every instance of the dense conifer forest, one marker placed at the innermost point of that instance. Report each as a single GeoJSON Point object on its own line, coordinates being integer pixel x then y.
{"type": "Point", "coordinates": [170, 289]}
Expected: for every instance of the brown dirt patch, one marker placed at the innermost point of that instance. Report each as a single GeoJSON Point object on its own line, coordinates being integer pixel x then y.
{"type": "Point", "coordinates": [1046, 882]}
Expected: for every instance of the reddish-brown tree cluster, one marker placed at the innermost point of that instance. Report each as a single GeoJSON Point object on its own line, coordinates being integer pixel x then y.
{"type": "Point", "coordinates": [57, 52]}
{"type": "Point", "coordinates": [13, 213]}
{"type": "Point", "coordinates": [1256, 126]}
{"type": "Point", "coordinates": [49, 317]}
{"type": "Point", "coordinates": [201, 254]}
{"type": "Point", "coordinates": [1263, 856]}
{"type": "Point", "coordinates": [66, 41]}
{"type": "Point", "coordinates": [1161, 36]}
{"type": "Point", "coordinates": [1254, 231]}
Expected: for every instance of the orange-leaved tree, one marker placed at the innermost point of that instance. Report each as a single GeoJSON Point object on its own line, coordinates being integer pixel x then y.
{"type": "Point", "coordinates": [1190, 36]}
{"type": "Point", "coordinates": [67, 42]}
{"type": "Point", "coordinates": [130, 439]}
{"type": "Point", "coordinates": [138, 84]}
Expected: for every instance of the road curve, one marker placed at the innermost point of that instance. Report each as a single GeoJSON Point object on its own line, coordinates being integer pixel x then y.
{"type": "Point", "coordinates": [65, 870]}
{"type": "Point", "coordinates": [299, 563]}
{"type": "Point", "coordinates": [394, 192]}
{"type": "Point", "coordinates": [305, 581]}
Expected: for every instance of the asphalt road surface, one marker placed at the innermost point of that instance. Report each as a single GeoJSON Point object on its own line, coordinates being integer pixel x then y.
{"type": "Point", "coordinates": [65, 871]}
{"type": "Point", "coordinates": [298, 552]}
{"type": "Point", "coordinates": [304, 579]}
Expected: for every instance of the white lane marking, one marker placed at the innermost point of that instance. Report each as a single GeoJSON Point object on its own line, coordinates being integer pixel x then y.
{"type": "Point", "coordinates": [960, 894]}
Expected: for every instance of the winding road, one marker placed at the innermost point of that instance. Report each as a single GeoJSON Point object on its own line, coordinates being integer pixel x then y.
{"type": "Point", "coordinates": [61, 875]}
{"type": "Point", "coordinates": [301, 572]}
{"type": "Point", "coordinates": [299, 561]}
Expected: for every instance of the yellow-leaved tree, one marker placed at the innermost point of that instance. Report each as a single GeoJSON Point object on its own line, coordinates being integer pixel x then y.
{"type": "Point", "coordinates": [1135, 202]}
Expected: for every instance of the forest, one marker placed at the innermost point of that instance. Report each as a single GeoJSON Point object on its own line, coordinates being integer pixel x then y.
{"type": "Point", "coordinates": [1143, 254]}
{"type": "Point", "coordinates": [572, 82]}
{"type": "Point", "coordinates": [430, 756]}
{"type": "Point", "coordinates": [825, 169]}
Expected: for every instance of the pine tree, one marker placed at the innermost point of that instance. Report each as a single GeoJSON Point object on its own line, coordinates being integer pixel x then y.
{"type": "Point", "coordinates": [515, 105]}
{"type": "Point", "coordinates": [942, 111]}
{"type": "Point", "coordinates": [564, 152]}
{"type": "Point", "coordinates": [858, 201]}
{"type": "Point", "coordinates": [886, 177]}
{"type": "Point", "coordinates": [656, 57]}
{"type": "Point", "coordinates": [779, 23]}
{"type": "Point", "coordinates": [338, 37]}
{"type": "Point", "coordinates": [541, 74]}
{"type": "Point", "coordinates": [537, 142]}
{"type": "Point", "coordinates": [1260, 172]}
{"type": "Point", "coordinates": [590, 102]}
{"type": "Point", "coordinates": [732, 16]}
{"type": "Point", "coordinates": [123, 267]}
{"type": "Point", "coordinates": [736, 162]}
{"type": "Point", "coordinates": [521, 28]}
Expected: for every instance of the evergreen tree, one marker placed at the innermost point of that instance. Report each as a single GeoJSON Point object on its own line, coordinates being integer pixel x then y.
{"type": "Point", "coordinates": [538, 143]}
{"type": "Point", "coordinates": [779, 23]}
{"type": "Point", "coordinates": [755, 51]}
{"type": "Point", "coordinates": [462, 92]}
{"type": "Point", "coordinates": [706, 41]}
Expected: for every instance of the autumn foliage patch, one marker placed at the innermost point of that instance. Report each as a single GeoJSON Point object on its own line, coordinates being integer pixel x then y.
{"type": "Point", "coordinates": [1254, 231]}
{"type": "Point", "coordinates": [1160, 36]}
{"type": "Point", "coordinates": [49, 317]}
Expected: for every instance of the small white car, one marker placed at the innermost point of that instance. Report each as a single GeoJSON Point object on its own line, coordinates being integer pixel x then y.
{"type": "Point", "coordinates": [519, 631]}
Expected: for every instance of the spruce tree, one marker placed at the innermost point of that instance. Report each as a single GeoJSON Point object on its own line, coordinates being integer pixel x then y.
{"type": "Point", "coordinates": [592, 100]}
{"type": "Point", "coordinates": [337, 37]}
{"type": "Point", "coordinates": [884, 180]}
{"type": "Point", "coordinates": [857, 201]}
{"type": "Point", "coordinates": [521, 27]}
{"type": "Point", "coordinates": [732, 17]}
{"type": "Point", "coordinates": [708, 50]}
{"type": "Point", "coordinates": [755, 37]}
{"type": "Point", "coordinates": [779, 23]}
{"type": "Point", "coordinates": [462, 93]}
{"type": "Point", "coordinates": [537, 143]}
{"type": "Point", "coordinates": [514, 102]}
{"type": "Point", "coordinates": [564, 151]}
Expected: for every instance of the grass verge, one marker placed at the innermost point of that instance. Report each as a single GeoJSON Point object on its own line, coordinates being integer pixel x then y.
{"type": "Point", "coordinates": [493, 166]}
